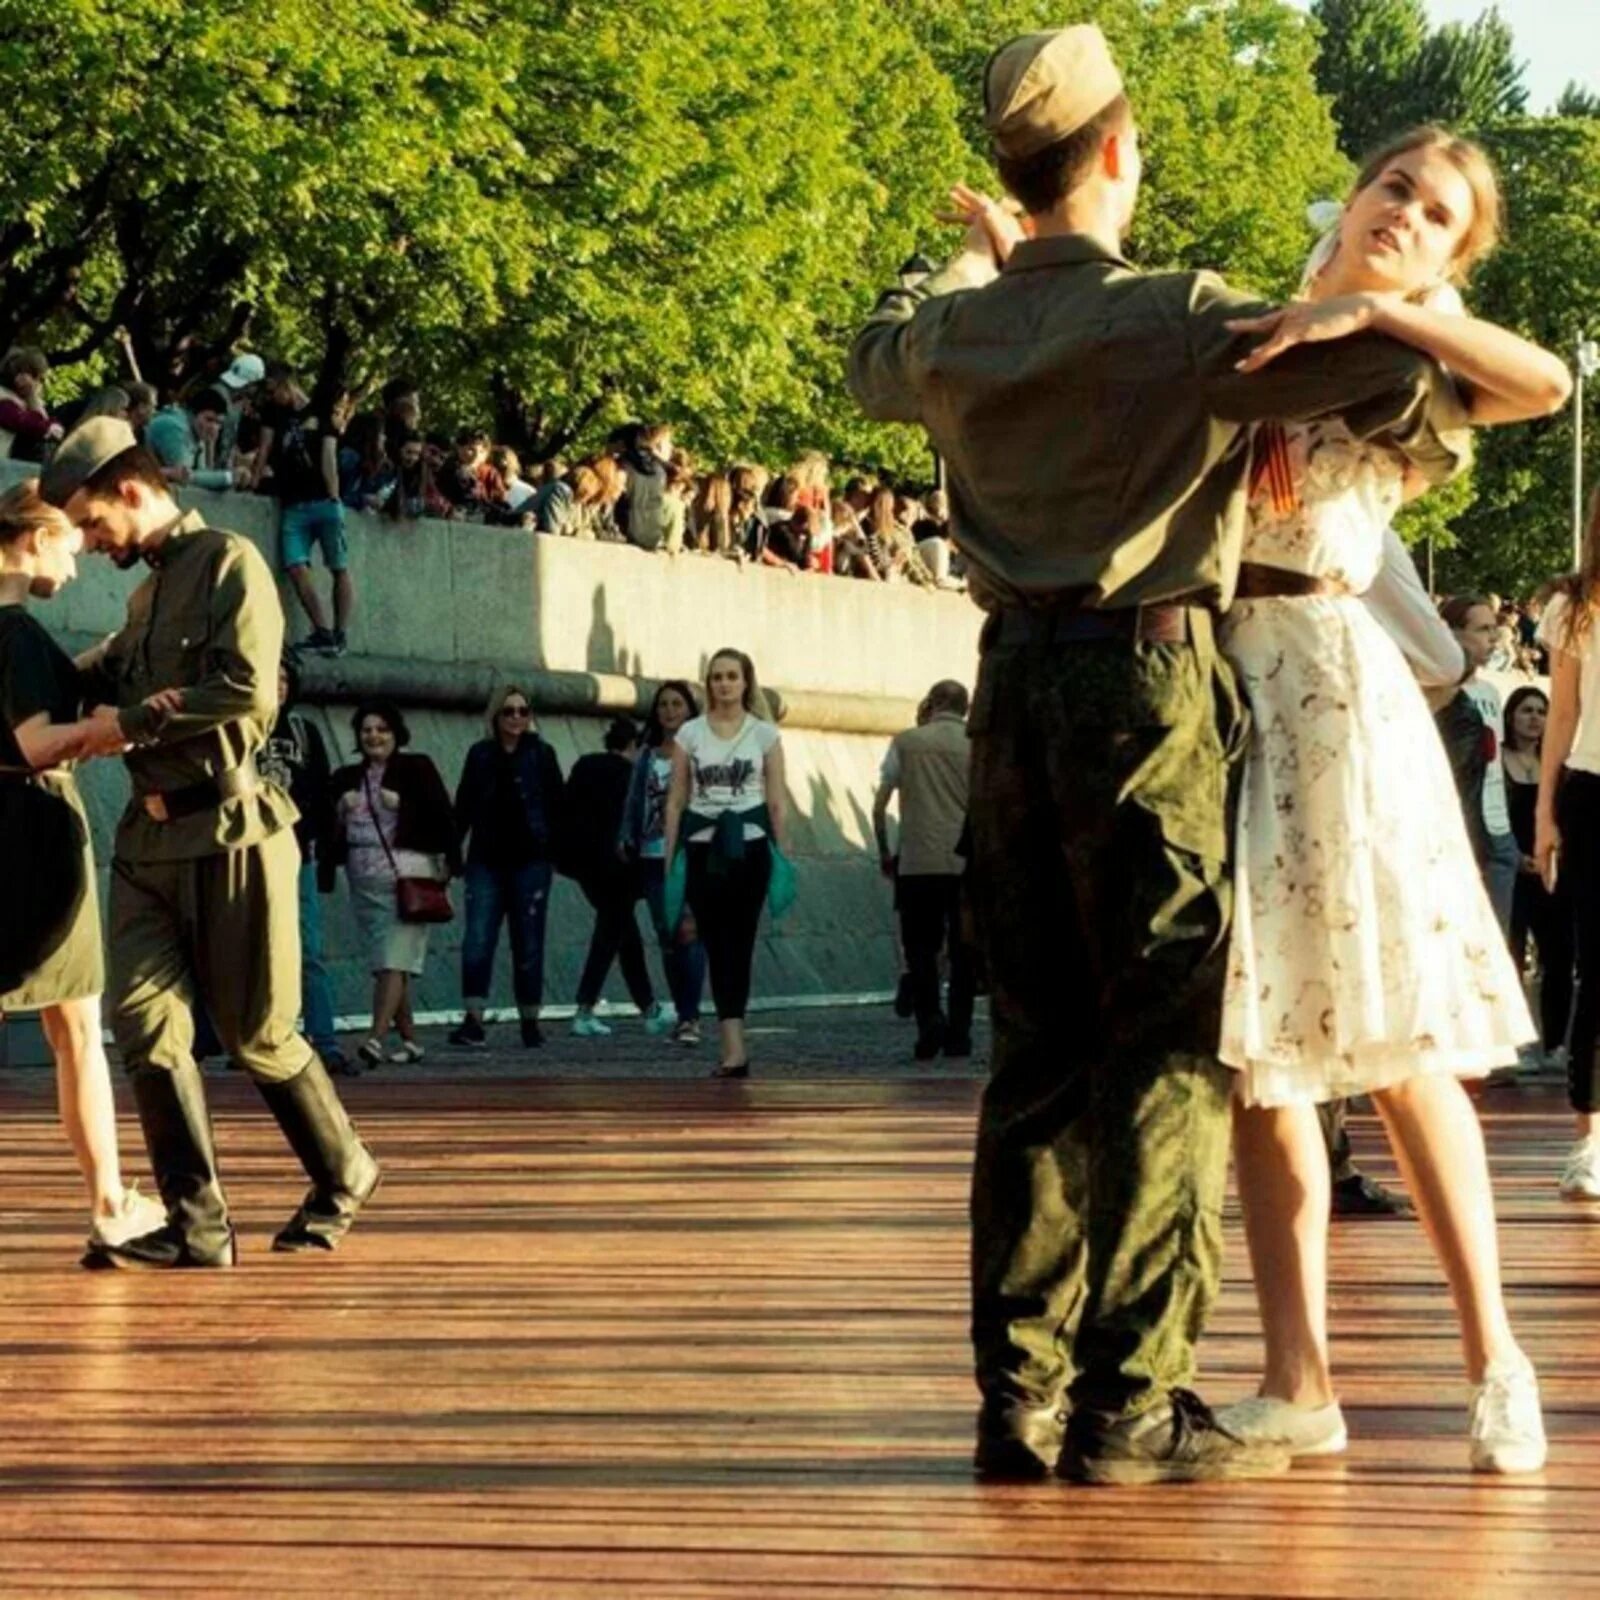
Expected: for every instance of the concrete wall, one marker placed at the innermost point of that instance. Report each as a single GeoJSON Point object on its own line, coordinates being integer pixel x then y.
{"type": "Point", "coordinates": [445, 610]}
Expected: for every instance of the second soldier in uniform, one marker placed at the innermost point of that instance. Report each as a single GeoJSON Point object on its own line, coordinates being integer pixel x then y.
{"type": "Point", "coordinates": [203, 903]}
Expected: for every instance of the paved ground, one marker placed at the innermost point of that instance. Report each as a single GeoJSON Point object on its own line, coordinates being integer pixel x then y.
{"type": "Point", "coordinates": [839, 1042]}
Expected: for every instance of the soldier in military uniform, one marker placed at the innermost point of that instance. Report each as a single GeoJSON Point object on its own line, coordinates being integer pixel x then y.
{"type": "Point", "coordinates": [203, 905]}
{"type": "Point", "coordinates": [1093, 421]}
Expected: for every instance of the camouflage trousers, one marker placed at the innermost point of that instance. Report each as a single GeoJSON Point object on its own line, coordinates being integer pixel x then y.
{"type": "Point", "coordinates": [1104, 787]}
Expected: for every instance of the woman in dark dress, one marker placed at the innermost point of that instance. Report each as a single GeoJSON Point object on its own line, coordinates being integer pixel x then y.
{"type": "Point", "coordinates": [50, 960]}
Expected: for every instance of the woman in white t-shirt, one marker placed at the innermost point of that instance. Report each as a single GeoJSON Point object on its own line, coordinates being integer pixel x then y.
{"type": "Point", "coordinates": [726, 808]}
{"type": "Point", "coordinates": [1567, 832]}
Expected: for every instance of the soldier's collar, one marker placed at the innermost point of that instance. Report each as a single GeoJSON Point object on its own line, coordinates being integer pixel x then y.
{"type": "Point", "coordinates": [1060, 250]}
{"type": "Point", "coordinates": [175, 537]}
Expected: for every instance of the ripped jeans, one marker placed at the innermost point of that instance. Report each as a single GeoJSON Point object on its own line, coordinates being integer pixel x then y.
{"type": "Point", "coordinates": [521, 896]}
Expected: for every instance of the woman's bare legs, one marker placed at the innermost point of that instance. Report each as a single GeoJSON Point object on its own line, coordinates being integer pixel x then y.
{"type": "Point", "coordinates": [1438, 1142]}
{"type": "Point", "coordinates": [388, 995]}
{"type": "Point", "coordinates": [402, 1017]}
{"type": "Point", "coordinates": [1281, 1162]}
{"type": "Point", "coordinates": [83, 1095]}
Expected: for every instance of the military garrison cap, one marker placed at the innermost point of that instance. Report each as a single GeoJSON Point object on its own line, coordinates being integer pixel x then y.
{"type": "Point", "coordinates": [83, 453]}
{"type": "Point", "coordinates": [1041, 87]}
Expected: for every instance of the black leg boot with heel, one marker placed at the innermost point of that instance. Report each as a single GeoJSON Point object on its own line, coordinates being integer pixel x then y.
{"type": "Point", "coordinates": [177, 1133]}
{"type": "Point", "coordinates": [343, 1172]}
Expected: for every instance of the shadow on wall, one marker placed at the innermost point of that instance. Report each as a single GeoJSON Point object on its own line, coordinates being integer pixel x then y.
{"type": "Point", "coordinates": [603, 653]}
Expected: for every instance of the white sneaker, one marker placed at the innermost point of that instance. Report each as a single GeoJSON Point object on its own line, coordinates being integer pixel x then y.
{"type": "Point", "coordinates": [407, 1053]}
{"type": "Point", "coordinates": [1301, 1430]}
{"type": "Point", "coordinates": [658, 1019]}
{"type": "Point", "coordinates": [586, 1025]}
{"type": "Point", "coordinates": [139, 1214]}
{"type": "Point", "coordinates": [1507, 1428]}
{"type": "Point", "coordinates": [1580, 1178]}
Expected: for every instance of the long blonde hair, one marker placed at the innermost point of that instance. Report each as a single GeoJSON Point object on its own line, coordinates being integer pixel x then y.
{"type": "Point", "coordinates": [1581, 589]}
{"type": "Point", "coordinates": [23, 510]}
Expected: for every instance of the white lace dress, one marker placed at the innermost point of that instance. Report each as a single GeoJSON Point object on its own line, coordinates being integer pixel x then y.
{"type": "Point", "coordinates": [1364, 948]}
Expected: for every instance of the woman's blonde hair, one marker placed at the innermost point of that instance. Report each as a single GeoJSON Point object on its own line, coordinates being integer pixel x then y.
{"type": "Point", "coordinates": [24, 511]}
{"type": "Point", "coordinates": [1581, 589]}
{"type": "Point", "coordinates": [1472, 162]}
{"type": "Point", "coordinates": [501, 694]}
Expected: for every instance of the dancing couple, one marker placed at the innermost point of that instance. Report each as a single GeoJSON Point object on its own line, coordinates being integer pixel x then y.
{"type": "Point", "coordinates": [1203, 917]}
{"type": "Point", "coordinates": [204, 908]}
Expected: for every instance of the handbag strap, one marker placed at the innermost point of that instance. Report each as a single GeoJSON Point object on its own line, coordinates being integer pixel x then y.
{"type": "Point", "coordinates": [377, 822]}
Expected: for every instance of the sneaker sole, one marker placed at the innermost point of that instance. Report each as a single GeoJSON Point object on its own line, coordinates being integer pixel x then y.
{"type": "Point", "coordinates": [469, 1044]}
{"type": "Point", "coordinates": [1511, 1463]}
{"type": "Point", "coordinates": [1130, 1473]}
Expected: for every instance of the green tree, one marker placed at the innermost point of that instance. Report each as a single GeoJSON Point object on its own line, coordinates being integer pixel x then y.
{"type": "Point", "coordinates": [1542, 281]}
{"type": "Point", "coordinates": [1577, 101]}
{"type": "Point", "coordinates": [1386, 71]}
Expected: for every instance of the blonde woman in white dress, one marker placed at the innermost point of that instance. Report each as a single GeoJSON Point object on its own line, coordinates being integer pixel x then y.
{"type": "Point", "coordinates": [1366, 957]}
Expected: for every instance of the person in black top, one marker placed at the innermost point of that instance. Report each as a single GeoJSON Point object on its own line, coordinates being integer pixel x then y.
{"type": "Point", "coordinates": [509, 814]}
{"type": "Point", "coordinates": [50, 951]}
{"type": "Point", "coordinates": [1544, 915]}
{"type": "Point", "coordinates": [298, 461]}
{"type": "Point", "coordinates": [296, 758]}
{"type": "Point", "coordinates": [597, 794]}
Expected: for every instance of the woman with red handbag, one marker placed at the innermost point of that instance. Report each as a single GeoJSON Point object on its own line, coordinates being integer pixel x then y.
{"type": "Point", "coordinates": [396, 838]}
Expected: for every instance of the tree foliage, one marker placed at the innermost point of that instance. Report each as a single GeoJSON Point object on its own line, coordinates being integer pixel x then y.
{"type": "Point", "coordinates": [1387, 71]}
{"type": "Point", "coordinates": [558, 215]}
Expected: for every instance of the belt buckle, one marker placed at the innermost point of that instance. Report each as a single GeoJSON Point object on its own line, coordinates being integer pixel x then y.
{"type": "Point", "coordinates": [155, 807]}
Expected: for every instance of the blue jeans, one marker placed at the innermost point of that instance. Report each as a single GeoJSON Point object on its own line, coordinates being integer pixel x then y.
{"type": "Point", "coordinates": [521, 896]}
{"type": "Point", "coordinates": [1500, 876]}
{"type": "Point", "coordinates": [683, 960]}
{"type": "Point", "coordinates": [316, 992]}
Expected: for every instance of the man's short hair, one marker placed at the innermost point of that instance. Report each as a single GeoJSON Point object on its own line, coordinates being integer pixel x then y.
{"type": "Point", "coordinates": [1042, 180]}
{"type": "Point", "coordinates": [209, 400]}
{"type": "Point", "coordinates": [23, 359]}
{"type": "Point", "coordinates": [948, 695]}
{"type": "Point", "coordinates": [135, 465]}
{"type": "Point", "coordinates": [622, 734]}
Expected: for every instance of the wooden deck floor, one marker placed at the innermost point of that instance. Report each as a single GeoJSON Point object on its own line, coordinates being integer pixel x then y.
{"type": "Point", "coordinates": [674, 1339]}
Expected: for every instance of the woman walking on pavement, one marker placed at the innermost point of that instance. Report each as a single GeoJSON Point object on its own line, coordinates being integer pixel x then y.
{"type": "Point", "coordinates": [726, 810]}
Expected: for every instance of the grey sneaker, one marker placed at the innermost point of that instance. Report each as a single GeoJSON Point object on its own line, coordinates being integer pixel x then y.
{"type": "Point", "coordinates": [1178, 1441]}
{"type": "Point", "coordinates": [1301, 1430]}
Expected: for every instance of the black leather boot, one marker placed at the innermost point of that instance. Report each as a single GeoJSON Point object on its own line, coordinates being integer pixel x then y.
{"type": "Point", "coordinates": [177, 1133]}
{"type": "Point", "coordinates": [342, 1170]}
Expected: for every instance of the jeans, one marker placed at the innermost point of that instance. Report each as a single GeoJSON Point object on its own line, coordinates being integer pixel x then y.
{"type": "Point", "coordinates": [727, 908]}
{"type": "Point", "coordinates": [930, 920]}
{"type": "Point", "coordinates": [1546, 919]}
{"type": "Point", "coordinates": [1500, 876]}
{"type": "Point", "coordinates": [521, 896]}
{"type": "Point", "coordinates": [682, 958]}
{"type": "Point", "coordinates": [613, 894]}
{"type": "Point", "coordinates": [316, 992]}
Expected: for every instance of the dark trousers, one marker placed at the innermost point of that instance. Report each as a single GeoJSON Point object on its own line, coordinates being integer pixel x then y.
{"type": "Point", "coordinates": [683, 956]}
{"type": "Point", "coordinates": [1547, 919]}
{"type": "Point", "coordinates": [614, 894]}
{"type": "Point", "coordinates": [931, 921]}
{"type": "Point", "coordinates": [521, 897]}
{"type": "Point", "coordinates": [1578, 811]}
{"type": "Point", "coordinates": [1336, 1136]}
{"type": "Point", "coordinates": [1103, 793]}
{"type": "Point", "coordinates": [726, 898]}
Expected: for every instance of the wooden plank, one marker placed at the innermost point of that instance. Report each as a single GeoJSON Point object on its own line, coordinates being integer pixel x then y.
{"type": "Point", "coordinates": [685, 1339]}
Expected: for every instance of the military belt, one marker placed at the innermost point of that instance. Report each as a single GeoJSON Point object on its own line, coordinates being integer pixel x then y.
{"type": "Point", "coordinates": [1158, 624]}
{"type": "Point", "coordinates": [1257, 582]}
{"type": "Point", "coordinates": [171, 805]}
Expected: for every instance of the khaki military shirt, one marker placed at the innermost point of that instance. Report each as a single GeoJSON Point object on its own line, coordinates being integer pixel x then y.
{"type": "Point", "coordinates": [207, 621]}
{"type": "Point", "coordinates": [1095, 428]}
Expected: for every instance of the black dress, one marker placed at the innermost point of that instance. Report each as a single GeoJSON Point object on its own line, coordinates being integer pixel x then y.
{"type": "Point", "coordinates": [50, 949]}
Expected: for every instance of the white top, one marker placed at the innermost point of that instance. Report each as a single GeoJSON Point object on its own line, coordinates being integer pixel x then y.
{"type": "Point", "coordinates": [1496, 818]}
{"type": "Point", "coordinates": [1399, 601]}
{"type": "Point", "coordinates": [727, 774]}
{"type": "Point", "coordinates": [1585, 753]}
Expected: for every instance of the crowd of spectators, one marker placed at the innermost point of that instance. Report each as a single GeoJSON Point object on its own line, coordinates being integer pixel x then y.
{"type": "Point", "coordinates": [254, 428]}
